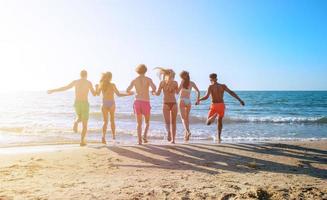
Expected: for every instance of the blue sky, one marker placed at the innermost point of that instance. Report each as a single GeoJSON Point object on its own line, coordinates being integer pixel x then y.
{"type": "Point", "coordinates": [250, 44]}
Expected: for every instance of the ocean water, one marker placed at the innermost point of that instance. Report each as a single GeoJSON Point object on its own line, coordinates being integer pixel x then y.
{"type": "Point", "coordinates": [268, 115]}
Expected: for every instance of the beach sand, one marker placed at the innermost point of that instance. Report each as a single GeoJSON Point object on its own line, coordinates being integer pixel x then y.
{"type": "Point", "coordinates": [288, 170]}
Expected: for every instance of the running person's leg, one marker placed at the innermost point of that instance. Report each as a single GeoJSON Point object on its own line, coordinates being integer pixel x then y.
{"type": "Point", "coordinates": [76, 122]}
{"type": "Point", "coordinates": [78, 116]}
{"type": "Point", "coordinates": [182, 109]}
{"type": "Point", "coordinates": [112, 121]}
{"type": "Point", "coordinates": [146, 129]}
{"type": "Point", "coordinates": [105, 124]}
{"type": "Point", "coordinates": [221, 113]}
{"type": "Point", "coordinates": [220, 128]}
{"type": "Point", "coordinates": [84, 130]}
{"type": "Point", "coordinates": [173, 112]}
{"type": "Point", "coordinates": [166, 114]}
{"type": "Point", "coordinates": [188, 110]}
{"type": "Point", "coordinates": [139, 128]}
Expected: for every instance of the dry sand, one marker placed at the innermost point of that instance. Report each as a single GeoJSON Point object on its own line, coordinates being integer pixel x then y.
{"type": "Point", "coordinates": [296, 170]}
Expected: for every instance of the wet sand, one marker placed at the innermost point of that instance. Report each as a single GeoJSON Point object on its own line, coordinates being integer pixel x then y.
{"type": "Point", "coordinates": [288, 170]}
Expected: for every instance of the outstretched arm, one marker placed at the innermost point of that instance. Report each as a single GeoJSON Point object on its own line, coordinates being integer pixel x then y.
{"type": "Point", "coordinates": [61, 89]}
{"type": "Point", "coordinates": [206, 96]}
{"type": "Point", "coordinates": [233, 94]}
{"type": "Point", "coordinates": [130, 87]}
{"type": "Point", "coordinates": [153, 87]}
{"type": "Point", "coordinates": [120, 94]}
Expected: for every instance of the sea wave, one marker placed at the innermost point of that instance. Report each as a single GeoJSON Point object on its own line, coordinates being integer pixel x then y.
{"type": "Point", "coordinates": [227, 119]}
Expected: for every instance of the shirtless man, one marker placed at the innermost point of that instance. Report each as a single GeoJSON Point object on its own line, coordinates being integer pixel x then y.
{"type": "Point", "coordinates": [142, 100]}
{"type": "Point", "coordinates": [217, 108]}
{"type": "Point", "coordinates": [82, 88]}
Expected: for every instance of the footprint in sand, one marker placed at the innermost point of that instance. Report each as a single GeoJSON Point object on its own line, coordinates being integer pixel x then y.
{"type": "Point", "coordinates": [228, 196]}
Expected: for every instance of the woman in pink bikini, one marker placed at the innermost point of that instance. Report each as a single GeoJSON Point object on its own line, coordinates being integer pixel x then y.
{"type": "Point", "coordinates": [108, 90]}
{"type": "Point", "coordinates": [185, 105]}
{"type": "Point", "coordinates": [170, 88]}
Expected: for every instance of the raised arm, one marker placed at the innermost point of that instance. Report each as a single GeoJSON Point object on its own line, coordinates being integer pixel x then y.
{"type": "Point", "coordinates": [94, 93]}
{"type": "Point", "coordinates": [130, 87]}
{"type": "Point", "coordinates": [206, 96]}
{"type": "Point", "coordinates": [196, 90]}
{"type": "Point", "coordinates": [61, 89]}
{"type": "Point", "coordinates": [233, 94]}
{"type": "Point", "coordinates": [120, 94]}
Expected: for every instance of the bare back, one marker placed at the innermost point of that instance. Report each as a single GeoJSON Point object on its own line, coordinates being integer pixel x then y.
{"type": "Point", "coordinates": [142, 84]}
{"type": "Point", "coordinates": [217, 92]}
{"type": "Point", "coordinates": [108, 94]}
{"type": "Point", "coordinates": [82, 88]}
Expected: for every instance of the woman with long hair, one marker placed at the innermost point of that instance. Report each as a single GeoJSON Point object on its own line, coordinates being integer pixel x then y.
{"type": "Point", "coordinates": [108, 89]}
{"type": "Point", "coordinates": [185, 105]}
{"type": "Point", "coordinates": [170, 88]}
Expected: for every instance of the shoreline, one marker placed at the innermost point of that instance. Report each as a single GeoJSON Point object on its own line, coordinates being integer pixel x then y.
{"type": "Point", "coordinates": [160, 142]}
{"type": "Point", "coordinates": [130, 142]}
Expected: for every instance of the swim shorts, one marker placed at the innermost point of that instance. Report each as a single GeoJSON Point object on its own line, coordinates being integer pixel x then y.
{"type": "Point", "coordinates": [82, 109]}
{"type": "Point", "coordinates": [217, 108]}
{"type": "Point", "coordinates": [142, 107]}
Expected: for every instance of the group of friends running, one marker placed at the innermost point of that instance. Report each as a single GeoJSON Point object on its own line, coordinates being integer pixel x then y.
{"type": "Point", "coordinates": [142, 85]}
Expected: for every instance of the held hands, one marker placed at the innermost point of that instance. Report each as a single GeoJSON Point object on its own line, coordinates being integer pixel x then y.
{"type": "Point", "coordinates": [154, 93]}
{"type": "Point", "coordinates": [130, 93]}
{"type": "Point", "coordinates": [197, 102]}
{"type": "Point", "coordinates": [242, 103]}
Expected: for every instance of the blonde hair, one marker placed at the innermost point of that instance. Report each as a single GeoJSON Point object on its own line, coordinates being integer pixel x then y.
{"type": "Point", "coordinates": [141, 69]}
{"type": "Point", "coordinates": [165, 74]}
{"type": "Point", "coordinates": [105, 81]}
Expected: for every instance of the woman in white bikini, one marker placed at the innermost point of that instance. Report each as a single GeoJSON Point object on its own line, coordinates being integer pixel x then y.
{"type": "Point", "coordinates": [169, 87]}
{"type": "Point", "coordinates": [185, 105]}
{"type": "Point", "coordinates": [108, 90]}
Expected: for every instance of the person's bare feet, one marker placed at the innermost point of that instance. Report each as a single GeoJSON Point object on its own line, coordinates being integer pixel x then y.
{"type": "Point", "coordinates": [188, 136]}
{"type": "Point", "coordinates": [104, 140]}
{"type": "Point", "coordinates": [169, 137]}
{"type": "Point", "coordinates": [172, 142]}
{"type": "Point", "coordinates": [145, 140]}
{"type": "Point", "coordinates": [75, 127]}
{"type": "Point", "coordinates": [83, 144]}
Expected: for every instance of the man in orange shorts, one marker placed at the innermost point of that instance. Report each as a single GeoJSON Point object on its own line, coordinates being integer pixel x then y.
{"type": "Point", "coordinates": [217, 108]}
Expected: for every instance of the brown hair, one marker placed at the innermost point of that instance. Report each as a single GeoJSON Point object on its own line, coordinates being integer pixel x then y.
{"type": "Point", "coordinates": [141, 69]}
{"type": "Point", "coordinates": [213, 76]}
{"type": "Point", "coordinates": [186, 78]}
{"type": "Point", "coordinates": [105, 81]}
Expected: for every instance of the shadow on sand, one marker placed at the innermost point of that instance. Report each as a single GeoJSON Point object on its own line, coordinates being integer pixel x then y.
{"type": "Point", "coordinates": [209, 158]}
